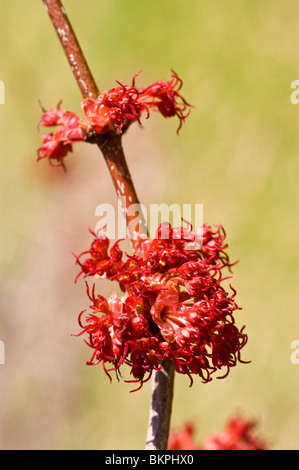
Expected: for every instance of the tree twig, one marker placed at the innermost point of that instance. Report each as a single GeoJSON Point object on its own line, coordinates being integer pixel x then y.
{"type": "Point", "coordinates": [160, 408]}
{"type": "Point", "coordinates": [111, 147]}
{"type": "Point", "coordinates": [71, 48]}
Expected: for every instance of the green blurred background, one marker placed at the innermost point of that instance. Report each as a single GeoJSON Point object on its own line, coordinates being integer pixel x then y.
{"type": "Point", "coordinates": [238, 154]}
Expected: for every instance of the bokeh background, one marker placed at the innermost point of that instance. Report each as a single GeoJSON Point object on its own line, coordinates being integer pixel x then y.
{"type": "Point", "coordinates": [238, 154]}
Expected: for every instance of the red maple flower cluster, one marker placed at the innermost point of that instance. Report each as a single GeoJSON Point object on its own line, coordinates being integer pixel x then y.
{"type": "Point", "coordinates": [174, 307]}
{"type": "Point", "coordinates": [112, 110]}
{"type": "Point", "coordinates": [125, 104]}
{"type": "Point", "coordinates": [58, 144]}
{"type": "Point", "coordinates": [238, 434]}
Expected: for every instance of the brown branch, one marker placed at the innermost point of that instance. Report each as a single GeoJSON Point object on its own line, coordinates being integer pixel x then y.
{"type": "Point", "coordinates": [111, 147]}
{"type": "Point", "coordinates": [72, 48]}
{"type": "Point", "coordinates": [160, 408]}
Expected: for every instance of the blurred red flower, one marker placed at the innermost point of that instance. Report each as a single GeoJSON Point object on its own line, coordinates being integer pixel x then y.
{"type": "Point", "coordinates": [238, 434]}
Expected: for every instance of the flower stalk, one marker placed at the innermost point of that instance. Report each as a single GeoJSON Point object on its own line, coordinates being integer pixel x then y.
{"type": "Point", "coordinates": [111, 148]}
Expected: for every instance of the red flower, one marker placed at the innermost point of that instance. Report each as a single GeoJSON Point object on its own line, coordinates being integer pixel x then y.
{"type": "Point", "coordinates": [112, 110]}
{"type": "Point", "coordinates": [120, 106]}
{"type": "Point", "coordinates": [173, 308]}
{"type": "Point", "coordinates": [184, 439]}
{"type": "Point", "coordinates": [165, 97]}
{"type": "Point", "coordinates": [238, 434]}
{"type": "Point", "coordinates": [58, 144]}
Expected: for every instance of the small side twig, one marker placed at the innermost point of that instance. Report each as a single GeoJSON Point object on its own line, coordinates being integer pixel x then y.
{"type": "Point", "coordinates": [111, 147]}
